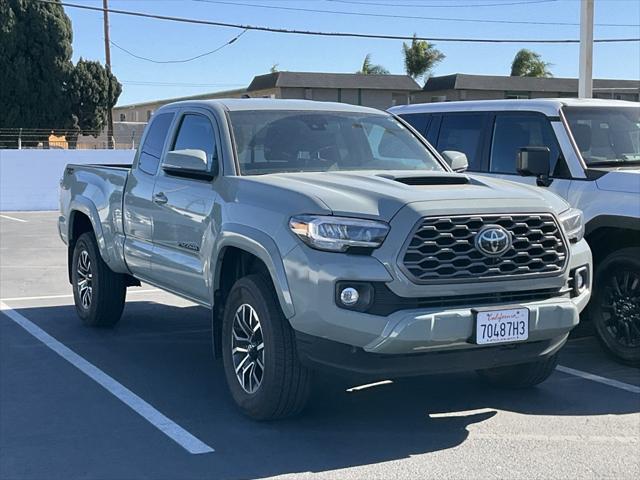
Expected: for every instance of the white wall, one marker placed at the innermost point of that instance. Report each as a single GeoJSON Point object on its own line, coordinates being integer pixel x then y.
{"type": "Point", "coordinates": [29, 179]}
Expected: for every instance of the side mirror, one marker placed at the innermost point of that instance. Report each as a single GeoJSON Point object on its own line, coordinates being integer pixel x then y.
{"type": "Point", "coordinates": [535, 162]}
{"type": "Point", "coordinates": [456, 160]}
{"type": "Point", "coordinates": [187, 163]}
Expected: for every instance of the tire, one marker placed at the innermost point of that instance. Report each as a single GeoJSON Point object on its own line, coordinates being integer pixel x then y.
{"type": "Point", "coordinates": [102, 303]}
{"type": "Point", "coordinates": [615, 304]}
{"type": "Point", "coordinates": [524, 375]}
{"type": "Point", "coordinates": [280, 388]}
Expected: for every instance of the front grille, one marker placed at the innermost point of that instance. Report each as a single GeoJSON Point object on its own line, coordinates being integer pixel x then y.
{"type": "Point", "coordinates": [443, 248]}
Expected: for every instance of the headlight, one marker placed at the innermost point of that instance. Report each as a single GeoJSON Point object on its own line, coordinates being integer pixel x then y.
{"type": "Point", "coordinates": [573, 224]}
{"type": "Point", "coordinates": [338, 234]}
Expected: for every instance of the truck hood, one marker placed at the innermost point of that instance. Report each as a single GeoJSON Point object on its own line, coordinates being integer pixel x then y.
{"type": "Point", "coordinates": [619, 180]}
{"type": "Point", "coordinates": [381, 194]}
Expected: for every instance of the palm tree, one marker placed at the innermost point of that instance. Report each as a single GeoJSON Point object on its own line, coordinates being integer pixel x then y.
{"type": "Point", "coordinates": [369, 68]}
{"type": "Point", "coordinates": [528, 63]}
{"type": "Point", "coordinates": [420, 57]}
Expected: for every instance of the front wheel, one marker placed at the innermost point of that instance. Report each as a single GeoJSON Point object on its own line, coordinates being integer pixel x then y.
{"type": "Point", "coordinates": [261, 365]}
{"type": "Point", "coordinates": [99, 292]}
{"type": "Point", "coordinates": [615, 305]}
{"type": "Point", "coordinates": [524, 375]}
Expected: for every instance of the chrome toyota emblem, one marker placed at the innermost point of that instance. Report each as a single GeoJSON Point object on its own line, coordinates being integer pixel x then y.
{"type": "Point", "coordinates": [493, 240]}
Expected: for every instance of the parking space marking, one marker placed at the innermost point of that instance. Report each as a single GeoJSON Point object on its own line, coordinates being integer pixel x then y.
{"type": "Point", "coordinates": [167, 426]}
{"type": "Point", "coordinates": [68, 295]}
{"type": "Point", "coordinates": [597, 378]}
{"type": "Point", "coordinates": [13, 218]}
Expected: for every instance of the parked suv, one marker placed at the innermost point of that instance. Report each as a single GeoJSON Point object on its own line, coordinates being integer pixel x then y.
{"type": "Point", "coordinates": [324, 235]}
{"type": "Point", "coordinates": [590, 153]}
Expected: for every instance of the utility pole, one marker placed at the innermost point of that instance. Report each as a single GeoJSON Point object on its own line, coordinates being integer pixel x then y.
{"type": "Point", "coordinates": [107, 57]}
{"type": "Point", "coordinates": [585, 81]}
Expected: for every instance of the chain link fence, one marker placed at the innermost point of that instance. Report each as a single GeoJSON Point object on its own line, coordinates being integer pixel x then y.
{"type": "Point", "coordinates": [126, 135]}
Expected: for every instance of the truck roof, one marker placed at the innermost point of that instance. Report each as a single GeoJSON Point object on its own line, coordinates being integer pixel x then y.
{"type": "Point", "coordinates": [243, 104]}
{"type": "Point", "coordinates": [548, 106]}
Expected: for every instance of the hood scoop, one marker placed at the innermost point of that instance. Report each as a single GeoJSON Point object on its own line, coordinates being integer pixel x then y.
{"type": "Point", "coordinates": [427, 180]}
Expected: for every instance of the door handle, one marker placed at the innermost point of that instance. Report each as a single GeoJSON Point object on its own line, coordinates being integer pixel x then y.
{"type": "Point", "coordinates": [160, 198]}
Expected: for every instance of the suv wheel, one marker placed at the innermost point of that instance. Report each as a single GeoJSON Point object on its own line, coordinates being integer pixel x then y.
{"type": "Point", "coordinates": [615, 305]}
{"type": "Point", "coordinates": [261, 365]}
{"type": "Point", "coordinates": [524, 375]}
{"type": "Point", "coordinates": [98, 292]}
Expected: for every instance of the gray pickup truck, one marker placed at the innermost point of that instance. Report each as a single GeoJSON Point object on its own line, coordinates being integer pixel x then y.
{"type": "Point", "coordinates": [327, 236]}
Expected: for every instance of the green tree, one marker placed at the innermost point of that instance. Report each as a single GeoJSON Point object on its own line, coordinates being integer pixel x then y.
{"type": "Point", "coordinates": [420, 57]}
{"type": "Point", "coordinates": [92, 91]}
{"type": "Point", "coordinates": [528, 63]}
{"type": "Point", "coordinates": [35, 61]}
{"type": "Point", "coordinates": [369, 68]}
{"type": "Point", "coordinates": [274, 68]}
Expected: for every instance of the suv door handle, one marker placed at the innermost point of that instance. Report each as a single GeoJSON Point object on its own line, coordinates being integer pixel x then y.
{"type": "Point", "coordinates": [160, 198]}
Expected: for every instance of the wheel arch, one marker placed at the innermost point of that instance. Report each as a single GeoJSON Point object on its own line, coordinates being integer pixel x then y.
{"type": "Point", "coordinates": [609, 233]}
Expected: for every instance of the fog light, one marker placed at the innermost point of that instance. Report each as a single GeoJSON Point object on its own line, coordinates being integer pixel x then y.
{"type": "Point", "coordinates": [581, 280]}
{"type": "Point", "coordinates": [349, 296]}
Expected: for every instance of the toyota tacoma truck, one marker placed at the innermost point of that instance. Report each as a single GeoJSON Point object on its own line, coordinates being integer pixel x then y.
{"type": "Point", "coordinates": [592, 159]}
{"type": "Point", "coordinates": [327, 236]}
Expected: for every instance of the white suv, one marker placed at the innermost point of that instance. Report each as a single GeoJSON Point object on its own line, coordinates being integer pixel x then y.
{"type": "Point", "coordinates": [587, 151]}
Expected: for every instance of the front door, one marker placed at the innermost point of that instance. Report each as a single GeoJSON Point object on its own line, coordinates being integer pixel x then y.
{"type": "Point", "coordinates": [183, 232]}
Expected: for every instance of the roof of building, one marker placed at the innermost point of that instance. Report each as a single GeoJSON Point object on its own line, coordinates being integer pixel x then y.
{"type": "Point", "coordinates": [332, 80]}
{"type": "Point", "coordinates": [240, 104]}
{"type": "Point", "coordinates": [200, 96]}
{"type": "Point", "coordinates": [548, 106]}
{"type": "Point", "coordinates": [463, 81]}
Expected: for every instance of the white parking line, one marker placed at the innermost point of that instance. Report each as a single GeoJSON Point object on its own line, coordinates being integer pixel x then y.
{"type": "Point", "coordinates": [597, 378]}
{"type": "Point", "coordinates": [167, 426]}
{"type": "Point", "coordinates": [13, 218]}
{"type": "Point", "coordinates": [67, 295]}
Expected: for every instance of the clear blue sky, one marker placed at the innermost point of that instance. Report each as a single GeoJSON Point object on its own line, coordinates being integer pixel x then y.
{"type": "Point", "coordinates": [254, 53]}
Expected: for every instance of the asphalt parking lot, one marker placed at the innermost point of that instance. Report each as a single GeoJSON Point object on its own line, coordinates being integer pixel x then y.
{"type": "Point", "coordinates": [132, 402]}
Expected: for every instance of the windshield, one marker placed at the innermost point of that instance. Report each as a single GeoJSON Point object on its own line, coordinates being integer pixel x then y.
{"type": "Point", "coordinates": [606, 135]}
{"type": "Point", "coordinates": [275, 141]}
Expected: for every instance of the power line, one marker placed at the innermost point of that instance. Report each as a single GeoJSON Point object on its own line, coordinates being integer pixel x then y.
{"type": "Point", "coordinates": [449, 5]}
{"type": "Point", "coordinates": [411, 17]}
{"type": "Point", "coordinates": [185, 60]}
{"type": "Point", "coordinates": [330, 34]}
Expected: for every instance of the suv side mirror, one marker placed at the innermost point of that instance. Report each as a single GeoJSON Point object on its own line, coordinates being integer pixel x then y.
{"type": "Point", "coordinates": [456, 160]}
{"type": "Point", "coordinates": [535, 162]}
{"type": "Point", "coordinates": [187, 163]}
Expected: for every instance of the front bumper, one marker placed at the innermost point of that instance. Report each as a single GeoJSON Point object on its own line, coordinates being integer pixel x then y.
{"type": "Point", "coordinates": [312, 277]}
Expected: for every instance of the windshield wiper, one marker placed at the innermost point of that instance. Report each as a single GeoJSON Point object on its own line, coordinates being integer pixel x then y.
{"type": "Point", "coordinates": [613, 163]}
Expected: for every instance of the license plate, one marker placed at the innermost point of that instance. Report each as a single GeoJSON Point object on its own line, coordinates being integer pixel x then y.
{"type": "Point", "coordinates": [502, 326]}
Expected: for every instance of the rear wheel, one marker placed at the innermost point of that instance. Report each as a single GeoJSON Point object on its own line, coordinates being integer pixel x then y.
{"type": "Point", "coordinates": [261, 365]}
{"type": "Point", "coordinates": [615, 306]}
{"type": "Point", "coordinates": [98, 292]}
{"type": "Point", "coordinates": [524, 375]}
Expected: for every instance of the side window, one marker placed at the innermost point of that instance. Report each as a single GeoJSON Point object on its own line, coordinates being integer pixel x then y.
{"type": "Point", "coordinates": [419, 121]}
{"type": "Point", "coordinates": [463, 133]}
{"type": "Point", "coordinates": [196, 133]}
{"type": "Point", "coordinates": [511, 132]}
{"type": "Point", "coordinates": [152, 148]}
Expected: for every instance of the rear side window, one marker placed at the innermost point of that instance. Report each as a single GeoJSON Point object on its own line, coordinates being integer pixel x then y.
{"type": "Point", "coordinates": [419, 121]}
{"type": "Point", "coordinates": [196, 133]}
{"type": "Point", "coordinates": [511, 132]}
{"type": "Point", "coordinates": [153, 143]}
{"type": "Point", "coordinates": [463, 133]}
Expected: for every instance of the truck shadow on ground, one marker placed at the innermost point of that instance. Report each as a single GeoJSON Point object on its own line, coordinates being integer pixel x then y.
{"type": "Point", "coordinates": [163, 354]}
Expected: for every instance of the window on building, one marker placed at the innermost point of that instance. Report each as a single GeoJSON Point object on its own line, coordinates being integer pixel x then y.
{"type": "Point", "coordinates": [511, 132]}
{"type": "Point", "coordinates": [123, 117]}
{"type": "Point", "coordinates": [517, 95]}
{"type": "Point", "coordinates": [196, 133]}
{"type": "Point", "coordinates": [438, 98]}
{"type": "Point", "coordinates": [149, 113]}
{"type": "Point", "coordinates": [153, 143]}
{"type": "Point", "coordinates": [462, 132]}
